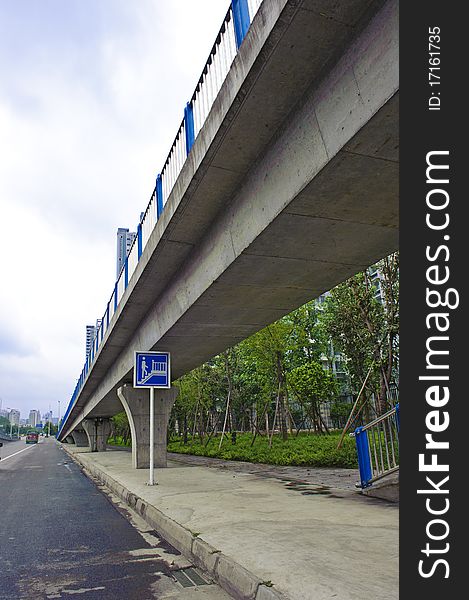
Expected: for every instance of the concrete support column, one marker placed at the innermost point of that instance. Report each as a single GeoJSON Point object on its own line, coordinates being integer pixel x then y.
{"type": "Point", "coordinates": [136, 403]}
{"type": "Point", "coordinates": [98, 431]}
{"type": "Point", "coordinates": [79, 439]}
{"type": "Point", "coordinates": [69, 439]}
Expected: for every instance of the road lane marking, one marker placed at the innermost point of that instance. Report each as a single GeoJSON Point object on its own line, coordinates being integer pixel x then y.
{"type": "Point", "coordinates": [15, 453]}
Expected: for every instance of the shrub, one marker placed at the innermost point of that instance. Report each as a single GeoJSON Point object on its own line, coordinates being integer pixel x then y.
{"type": "Point", "coordinates": [306, 450]}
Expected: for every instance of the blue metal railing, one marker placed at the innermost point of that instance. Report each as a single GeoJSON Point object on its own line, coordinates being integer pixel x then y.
{"type": "Point", "coordinates": [230, 36]}
{"type": "Point", "coordinates": [377, 446]}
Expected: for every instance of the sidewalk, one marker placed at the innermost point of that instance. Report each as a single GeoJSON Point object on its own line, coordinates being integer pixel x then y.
{"type": "Point", "coordinates": [263, 532]}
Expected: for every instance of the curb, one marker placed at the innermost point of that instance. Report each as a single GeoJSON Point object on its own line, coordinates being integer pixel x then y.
{"type": "Point", "coordinates": [231, 576]}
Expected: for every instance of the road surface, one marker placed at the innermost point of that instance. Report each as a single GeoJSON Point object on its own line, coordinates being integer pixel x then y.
{"type": "Point", "coordinates": [62, 537]}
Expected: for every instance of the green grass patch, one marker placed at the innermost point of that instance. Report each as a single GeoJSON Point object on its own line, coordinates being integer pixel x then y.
{"type": "Point", "coordinates": [304, 450]}
{"type": "Point", "coordinates": [119, 441]}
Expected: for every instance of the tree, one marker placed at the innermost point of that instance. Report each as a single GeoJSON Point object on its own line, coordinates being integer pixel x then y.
{"type": "Point", "coordinates": [121, 427]}
{"type": "Point", "coordinates": [270, 346]}
{"type": "Point", "coordinates": [307, 340]}
{"type": "Point", "coordinates": [49, 428]}
{"type": "Point", "coordinates": [365, 330]}
{"type": "Point", "coordinates": [313, 385]}
{"type": "Point", "coordinates": [4, 424]}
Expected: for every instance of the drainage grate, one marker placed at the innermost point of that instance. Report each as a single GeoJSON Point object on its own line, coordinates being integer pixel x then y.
{"type": "Point", "coordinates": [189, 577]}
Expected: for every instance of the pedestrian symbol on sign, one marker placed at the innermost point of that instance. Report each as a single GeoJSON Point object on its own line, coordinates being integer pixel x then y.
{"type": "Point", "coordinates": [152, 369]}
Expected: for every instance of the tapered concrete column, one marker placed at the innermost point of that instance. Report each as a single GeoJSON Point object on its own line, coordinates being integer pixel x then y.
{"type": "Point", "coordinates": [69, 439]}
{"type": "Point", "coordinates": [79, 439]}
{"type": "Point", "coordinates": [136, 403]}
{"type": "Point", "coordinates": [98, 431]}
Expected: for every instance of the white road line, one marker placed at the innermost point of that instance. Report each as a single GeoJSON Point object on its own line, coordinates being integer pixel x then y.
{"type": "Point", "coordinates": [15, 453]}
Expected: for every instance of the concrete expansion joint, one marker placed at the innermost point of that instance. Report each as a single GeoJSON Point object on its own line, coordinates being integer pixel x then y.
{"type": "Point", "coordinates": [230, 575]}
{"type": "Point", "coordinates": [372, 156]}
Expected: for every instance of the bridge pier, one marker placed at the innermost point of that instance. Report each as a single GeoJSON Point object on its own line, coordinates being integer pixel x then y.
{"type": "Point", "coordinates": [98, 431]}
{"type": "Point", "coordinates": [136, 404]}
{"type": "Point", "coordinates": [69, 439]}
{"type": "Point", "coordinates": [79, 439]}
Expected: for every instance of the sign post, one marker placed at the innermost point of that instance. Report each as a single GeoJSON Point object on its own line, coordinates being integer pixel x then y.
{"type": "Point", "coordinates": [152, 370]}
{"type": "Point", "coordinates": [151, 480]}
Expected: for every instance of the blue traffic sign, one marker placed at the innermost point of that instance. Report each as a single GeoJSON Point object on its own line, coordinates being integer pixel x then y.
{"type": "Point", "coordinates": [152, 369]}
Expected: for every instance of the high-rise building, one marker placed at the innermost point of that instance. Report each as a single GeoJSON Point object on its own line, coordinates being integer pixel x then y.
{"type": "Point", "coordinates": [46, 417]}
{"type": "Point", "coordinates": [34, 417]}
{"type": "Point", "coordinates": [125, 240]}
{"type": "Point", "coordinates": [14, 416]}
{"type": "Point", "coordinates": [90, 333]}
{"type": "Point", "coordinates": [376, 277]}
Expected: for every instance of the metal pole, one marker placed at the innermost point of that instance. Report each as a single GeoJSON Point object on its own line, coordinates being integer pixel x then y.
{"type": "Point", "coordinates": [152, 435]}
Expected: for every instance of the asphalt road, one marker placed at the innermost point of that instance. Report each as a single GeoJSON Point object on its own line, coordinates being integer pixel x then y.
{"type": "Point", "coordinates": [62, 537]}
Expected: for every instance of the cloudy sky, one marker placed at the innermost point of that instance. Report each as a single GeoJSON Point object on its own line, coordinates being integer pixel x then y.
{"type": "Point", "coordinates": [91, 95]}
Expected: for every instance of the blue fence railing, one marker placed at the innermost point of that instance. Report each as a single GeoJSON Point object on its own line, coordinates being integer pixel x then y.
{"type": "Point", "coordinates": [377, 446]}
{"type": "Point", "coordinates": [230, 36]}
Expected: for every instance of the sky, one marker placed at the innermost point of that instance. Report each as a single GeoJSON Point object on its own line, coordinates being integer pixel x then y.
{"type": "Point", "coordinates": [91, 95]}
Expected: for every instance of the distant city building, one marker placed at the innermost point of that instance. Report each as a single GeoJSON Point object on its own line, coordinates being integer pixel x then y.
{"type": "Point", "coordinates": [23, 421]}
{"type": "Point", "coordinates": [34, 418]}
{"type": "Point", "coordinates": [4, 413]}
{"type": "Point", "coordinates": [46, 417]}
{"type": "Point", "coordinates": [125, 240]}
{"type": "Point", "coordinates": [376, 277]}
{"type": "Point", "coordinates": [55, 420]}
{"type": "Point", "coordinates": [90, 333]}
{"type": "Point", "coordinates": [14, 416]}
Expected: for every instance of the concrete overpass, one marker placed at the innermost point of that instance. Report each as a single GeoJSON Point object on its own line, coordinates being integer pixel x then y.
{"type": "Point", "coordinates": [290, 187]}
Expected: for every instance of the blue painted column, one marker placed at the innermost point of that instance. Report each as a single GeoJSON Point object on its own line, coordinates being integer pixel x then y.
{"type": "Point", "coordinates": [240, 19]}
{"type": "Point", "coordinates": [115, 297]}
{"type": "Point", "coordinates": [126, 273]}
{"type": "Point", "coordinates": [189, 126]}
{"type": "Point", "coordinates": [159, 196]}
{"type": "Point", "coordinates": [364, 463]}
{"type": "Point", "coordinates": [139, 240]}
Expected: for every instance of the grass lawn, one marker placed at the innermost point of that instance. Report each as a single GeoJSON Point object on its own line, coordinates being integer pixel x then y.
{"type": "Point", "coordinates": [303, 450]}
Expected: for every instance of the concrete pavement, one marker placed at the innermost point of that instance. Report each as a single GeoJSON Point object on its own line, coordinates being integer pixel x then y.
{"type": "Point", "coordinates": [261, 536]}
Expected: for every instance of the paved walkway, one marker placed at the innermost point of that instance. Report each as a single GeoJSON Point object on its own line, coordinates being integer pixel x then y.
{"type": "Point", "coordinates": [334, 478]}
{"type": "Point", "coordinates": [257, 525]}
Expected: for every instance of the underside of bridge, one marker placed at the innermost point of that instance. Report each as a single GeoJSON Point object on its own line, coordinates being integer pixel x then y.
{"type": "Point", "coordinates": [290, 188]}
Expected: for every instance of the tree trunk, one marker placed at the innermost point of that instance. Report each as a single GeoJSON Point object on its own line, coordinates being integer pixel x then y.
{"type": "Point", "coordinates": [281, 397]}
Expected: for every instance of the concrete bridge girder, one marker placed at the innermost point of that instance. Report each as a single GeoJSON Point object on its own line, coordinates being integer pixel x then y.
{"type": "Point", "coordinates": [136, 404]}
